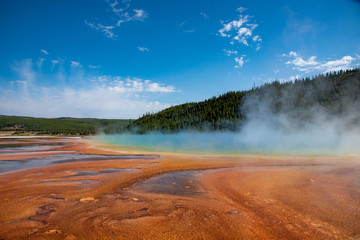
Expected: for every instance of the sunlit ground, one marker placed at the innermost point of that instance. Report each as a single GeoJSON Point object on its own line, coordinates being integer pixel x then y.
{"type": "Point", "coordinates": [78, 189]}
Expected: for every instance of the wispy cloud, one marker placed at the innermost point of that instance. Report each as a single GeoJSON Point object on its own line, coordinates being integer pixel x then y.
{"type": "Point", "coordinates": [189, 31]}
{"type": "Point", "coordinates": [40, 62]}
{"type": "Point", "coordinates": [93, 66]}
{"type": "Point", "coordinates": [186, 27]}
{"type": "Point", "coordinates": [123, 13]}
{"type": "Point", "coordinates": [107, 30]}
{"type": "Point", "coordinates": [91, 102]}
{"type": "Point", "coordinates": [75, 64]}
{"type": "Point", "coordinates": [131, 85]}
{"type": "Point", "coordinates": [241, 9]}
{"type": "Point", "coordinates": [143, 49]}
{"type": "Point", "coordinates": [139, 15]}
{"type": "Point", "coordinates": [24, 70]}
{"type": "Point", "coordinates": [44, 51]}
{"type": "Point", "coordinates": [230, 52]}
{"type": "Point", "coordinates": [205, 16]}
{"type": "Point", "coordinates": [103, 96]}
{"type": "Point", "coordinates": [241, 30]}
{"type": "Point", "coordinates": [311, 64]}
{"type": "Point", "coordinates": [240, 62]}
{"type": "Point", "coordinates": [339, 64]}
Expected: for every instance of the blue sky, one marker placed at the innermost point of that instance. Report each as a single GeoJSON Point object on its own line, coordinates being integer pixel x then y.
{"type": "Point", "coordinates": [120, 59]}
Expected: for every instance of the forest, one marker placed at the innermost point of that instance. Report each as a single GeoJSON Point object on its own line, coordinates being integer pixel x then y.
{"type": "Point", "coordinates": [333, 92]}
{"type": "Point", "coordinates": [61, 126]}
{"type": "Point", "coordinates": [336, 93]}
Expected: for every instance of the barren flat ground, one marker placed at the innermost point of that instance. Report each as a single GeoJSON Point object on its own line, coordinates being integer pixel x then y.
{"type": "Point", "coordinates": [61, 188]}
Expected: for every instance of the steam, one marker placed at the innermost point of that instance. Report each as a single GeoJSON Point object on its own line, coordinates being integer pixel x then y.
{"type": "Point", "coordinates": [296, 119]}
{"type": "Point", "coordinates": [301, 120]}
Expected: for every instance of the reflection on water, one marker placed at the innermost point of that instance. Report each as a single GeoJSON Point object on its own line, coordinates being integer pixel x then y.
{"type": "Point", "coordinates": [25, 148]}
{"type": "Point", "coordinates": [180, 183]}
{"type": "Point", "coordinates": [79, 173]}
{"type": "Point", "coordinates": [83, 181]}
{"type": "Point", "coordinates": [219, 143]}
{"type": "Point", "coordinates": [6, 166]}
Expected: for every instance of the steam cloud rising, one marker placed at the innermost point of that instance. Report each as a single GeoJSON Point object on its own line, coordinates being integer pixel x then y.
{"type": "Point", "coordinates": [306, 117]}
{"type": "Point", "coordinates": [281, 123]}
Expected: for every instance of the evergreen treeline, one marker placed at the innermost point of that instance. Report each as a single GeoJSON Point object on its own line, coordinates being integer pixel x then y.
{"type": "Point", "coordinates": [61, 126]}
{"type": "Point", "coordinates": [217, 113]}
{"type": "Point", "coordinates": [334, 92]}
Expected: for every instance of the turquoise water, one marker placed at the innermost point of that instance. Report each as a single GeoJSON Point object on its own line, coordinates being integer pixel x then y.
{"type": "Point", "coordinates": [178, 143]}
{"type": "Point", "coordinates": [215, 143]}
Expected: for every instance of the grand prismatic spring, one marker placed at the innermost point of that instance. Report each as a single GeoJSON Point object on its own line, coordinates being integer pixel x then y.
{"type": "Point", "coordinates": [66, 188]}
{"type": "Point", "coordinates": [181, 119]}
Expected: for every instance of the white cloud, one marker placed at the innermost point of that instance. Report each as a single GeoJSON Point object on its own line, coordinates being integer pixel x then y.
{"type": "Point", "coordinates": [40, 62]}
{"type": "Point", "coordinates": [24, 70]}
{"type": "Point", "coordinates": [311, 64]}
{"type": "Point", "coordinates": [241, 9]}
{"type": "Point", "coordinates": [91, 102]}
{"type": "Point", "coordinates": [233, 26]}
{"type": "Point", "coordinates": [241, 30]}
{"type": "Point", "coordinates": [102, 96]}
{"type": "Point", "coordinates": [44, 51]}
{"type": "Point", "coordinates": [337, 65]}
{"type": "Point", "coordinates": [93, 66]}
{"type": "Point", "coordinates": [240, 61]}
{"type": "Point", "coordinates": [131, 85]}
{"type": "Point", "coordinates": [75, 64]}
{"type": "Point", "coordinates": [107, 30]}
{"type": "Point", "coordinates": [113, 7]}
{"type": "Point", "coordinates": [299, 62]}
{"type": "Point", "coordinates": [123, 14]}
{"type": "Point", "coordinates": [292, 54]}
{"type": "Point", "coordinates": [139, 15]}
{"type": "Point", "coordinates": [54, 63]}
{"type": "Point", "coordinates": [143, 49]}
{"type": "Point", "coordinates": [256, 38]}
{"type": "Point", "coordinates": [230, 52]}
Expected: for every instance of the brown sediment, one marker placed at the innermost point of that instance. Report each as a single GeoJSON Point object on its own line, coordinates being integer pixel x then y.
{"type": "Point", "coordinates": [179, 196]}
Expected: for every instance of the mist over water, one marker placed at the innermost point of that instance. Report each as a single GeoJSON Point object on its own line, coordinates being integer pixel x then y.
{"type": "Point", "coordinates": [262, 133]}
{"type": "Point", "coordinates": [263, 140]}
{"type": "Point", "coordinates": [302, 119]}
{"type": "Point", "coordinates": [315, 117]}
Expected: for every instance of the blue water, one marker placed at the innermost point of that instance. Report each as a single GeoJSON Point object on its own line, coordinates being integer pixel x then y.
{"type": "Point", "coordinates": [179, 143]}
{"type": "Point", "coordinates": [213, 143]}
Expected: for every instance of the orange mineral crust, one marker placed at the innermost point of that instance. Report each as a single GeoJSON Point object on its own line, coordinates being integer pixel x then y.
{"type": "Point", "coordinates": [62, 188]}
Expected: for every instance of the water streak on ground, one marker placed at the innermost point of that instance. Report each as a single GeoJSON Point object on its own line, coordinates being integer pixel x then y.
{"type": "Point", "coordinates": [98, 193]}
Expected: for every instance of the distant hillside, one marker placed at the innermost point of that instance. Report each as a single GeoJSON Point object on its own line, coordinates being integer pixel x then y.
{"type": "Point", "coordinates": [61, 126]}
{"type": "Point", "coordinates": [334, 93]}
{"type": "Point", "coordinates": [220, 113]}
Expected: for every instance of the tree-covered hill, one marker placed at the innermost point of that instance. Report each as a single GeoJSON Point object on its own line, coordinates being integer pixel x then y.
{"type": "Point", "coordinates": [216, 113]}
{"type": "Point", "coordinates": [61, 126]}
{"type": "Point", "coordinates": [332, 94]}
{"type": "Point", "coordinates": [335, 93]}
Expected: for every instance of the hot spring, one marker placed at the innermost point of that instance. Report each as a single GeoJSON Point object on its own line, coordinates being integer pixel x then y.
{"type": "Point", "coordinates": [234, 143]}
